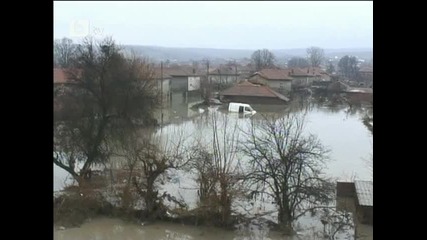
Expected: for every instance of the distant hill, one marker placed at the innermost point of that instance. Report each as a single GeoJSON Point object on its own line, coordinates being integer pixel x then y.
{"type": "Point", "coordinates": [187, 54]}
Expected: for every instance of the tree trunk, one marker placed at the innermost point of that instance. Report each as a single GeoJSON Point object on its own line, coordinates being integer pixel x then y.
{"type": "Point", "coordinates": [226, 204]}
{"type": "Point", "coordinates": [285, 219]}
{"type": "Point", "coordinates": [285, 223]}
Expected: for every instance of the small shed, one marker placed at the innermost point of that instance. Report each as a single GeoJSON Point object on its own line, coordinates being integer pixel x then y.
{"type": "Point", "coordinates": [357, 197]}
{"type": "Point", "coordinates": [365, 201]}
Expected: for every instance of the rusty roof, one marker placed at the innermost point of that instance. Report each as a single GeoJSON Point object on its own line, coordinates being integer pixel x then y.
{"type": "Point", "coordinates": [306, 72]}
{"type": "Point", "coordinates": [60, 76]}
{"type": "Point", "coordinates": [158, 73]}
{"type": "Point", "coordinates": [253, 90]}
{"type": "Point", "coordinates": [365, 192]}
{"type": "Point", "coordinates": [275, 74]}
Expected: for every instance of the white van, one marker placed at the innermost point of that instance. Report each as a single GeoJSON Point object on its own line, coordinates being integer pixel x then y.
{"type": "Point", "coordinates": [241, 108]}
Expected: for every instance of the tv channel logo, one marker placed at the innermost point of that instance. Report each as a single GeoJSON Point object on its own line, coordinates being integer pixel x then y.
{"type": "Point", "coordinates": [79, 28]}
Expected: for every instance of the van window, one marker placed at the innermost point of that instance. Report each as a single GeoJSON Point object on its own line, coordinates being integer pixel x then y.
{"type": "Point", "coordinates": [240, 109]}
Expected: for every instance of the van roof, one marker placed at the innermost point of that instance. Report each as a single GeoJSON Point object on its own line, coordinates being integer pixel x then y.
{"type": "Point", "coordinates": [244, 104]}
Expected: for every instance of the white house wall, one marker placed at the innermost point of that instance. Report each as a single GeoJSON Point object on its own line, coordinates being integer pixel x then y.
{"type": "Point", "coordinates": [193, 83]}
{"type": "Point", "coordinates": [282, 86]}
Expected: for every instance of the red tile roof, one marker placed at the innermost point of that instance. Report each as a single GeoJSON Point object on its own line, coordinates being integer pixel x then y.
{"type": "Point", "coordinates": [275, 74]}
{"type": "Point", "coordinates": [253, 90]}
{"type": "Point", "coordinates": [59, 76]}
{"type": "Point", "coordinates": [158, 73]}
{"type": "Point", "coordinates": [306, 72]}
{"type": "Point", "coordinates": [177, 71]}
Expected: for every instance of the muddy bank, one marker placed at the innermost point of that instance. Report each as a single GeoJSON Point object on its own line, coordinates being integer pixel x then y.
{"type": "Point", "coordinates": [89, 216]}
{"type": "Point", "coordinates": [74, 208]}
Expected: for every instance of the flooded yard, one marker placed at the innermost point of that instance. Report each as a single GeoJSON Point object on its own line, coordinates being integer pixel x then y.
{"type": "Point", "coordinates": [109, 229]}
{"type": "Point", "coordinates": [338, 127]}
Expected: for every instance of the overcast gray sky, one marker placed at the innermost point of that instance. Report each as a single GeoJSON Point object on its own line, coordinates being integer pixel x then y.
{"type": "Point", "coordinates": [233, 25]}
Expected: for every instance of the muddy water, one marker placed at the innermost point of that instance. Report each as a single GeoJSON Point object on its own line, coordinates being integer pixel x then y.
{"type": "Point", "coordinates": [338, 127]}
{"type": "Point", "coordinates": [109, 229]}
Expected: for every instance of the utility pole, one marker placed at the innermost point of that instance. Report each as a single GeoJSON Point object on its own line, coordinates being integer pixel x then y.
{"type": "Point", "coordinates": [220, 79]}
{"type": "Point", "coordinates": [208, 82]}
{"type": "Point", "coordinates": [161, 89]}
{"type": "Point", "coordinates": [235, 70]}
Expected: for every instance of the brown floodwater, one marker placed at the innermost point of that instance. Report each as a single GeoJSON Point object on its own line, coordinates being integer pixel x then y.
{"type": "Point", "coordinates": [109, 229]}
{"type": "Point", "coordinates": [338, 127]}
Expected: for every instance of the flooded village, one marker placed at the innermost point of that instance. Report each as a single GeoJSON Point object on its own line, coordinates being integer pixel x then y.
{"type": "Point", "coordinates": [190, 97]}
{"type": "Point", "coordinates": [181, 143]}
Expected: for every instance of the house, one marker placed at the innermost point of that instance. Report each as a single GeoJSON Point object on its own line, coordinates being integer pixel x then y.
{"type": "Point", "coordinates": [183, 80]}
{"type": "Point", "coordinates": [278, 79]}
{"type": "Point", "coordinates": [304, 77]}
{"type": "Point", "coordinates": [59, 77]}
{"type": "Point", "coordinates": [244, 72]}
{"type": "Point", "coordinates": [357, 197]}
{"type": "Point", "coordinates": [366, 71]}
{"type": "Point", "coordinates": [64, 106]}
{"type": "Point", "coordinates": [367, 76]}
{"type": "Point", "coordinates": [247, 92]}
{"type": "Point", "coordinates": [223, 76]}
{"type": "Point", "coordinates": [163, 82]}
{"type": "Point", "coordinates": [359, 94]}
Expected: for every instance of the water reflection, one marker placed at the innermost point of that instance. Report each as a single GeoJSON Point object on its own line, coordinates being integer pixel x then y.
{"type": "Point", "coordinates": [337, 122]}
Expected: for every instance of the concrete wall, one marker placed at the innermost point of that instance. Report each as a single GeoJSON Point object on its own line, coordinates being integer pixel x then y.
{"type": "Point", "coordinates": [280, 86]}
{"type": "Point", "coordinates": [222, 82]}
{"type": "Point", "coordinates": [179, 84]}
{"type": "Point", "coordinates": [224, 79]}
{"type": "Point", "coordinates": [302, 82]}
{"type": "Point", "coordinates": [365, 214]}
{"type": "Point", "coordinates": [166, 86]}
{"type": "Point", "coordinates": [346, 189]}
{"type": "Point", "coordinates": [193, 83]}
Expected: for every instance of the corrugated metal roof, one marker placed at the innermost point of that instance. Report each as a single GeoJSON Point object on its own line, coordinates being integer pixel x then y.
{"type": "Point", "coordinates": [365, 192]}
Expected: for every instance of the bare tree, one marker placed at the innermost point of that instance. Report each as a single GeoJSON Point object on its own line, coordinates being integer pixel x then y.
{"type": "Point", "coordinates": [348, 67]}
{"type": "Point", "coordinates": [218, 169]}
{"type": "Point", "coordinates": [298, 62]}
{"type": "Point", "coordinates": [263, 59]}
{"type": "Point", "coordinates": [330, 68]}
{"type": "Point", "coordinates": [316, 56]}
{"type": "Point", "coordinates": [335, 222]}
{"type": "Point", "coordinates": [149, 157]}
{"type": "Point", "coordinates": [111, 92]}
{"type": "Point", "coordinates": [64, 51]}
{"type": "Point", "coordinates": [287, 165]}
